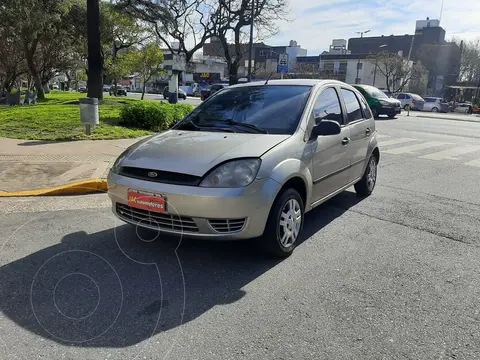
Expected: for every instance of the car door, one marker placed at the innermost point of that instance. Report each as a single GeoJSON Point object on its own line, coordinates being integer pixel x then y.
{"type": "Point", "coordinates": [401, 97]}
{"type": "Point", "coordinates": [331, 160]}
{"type": "Point", "coordinates": [361, 127]}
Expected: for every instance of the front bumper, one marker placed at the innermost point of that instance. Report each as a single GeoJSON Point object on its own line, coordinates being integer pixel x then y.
{"type": "Point", "coordinates": [386, 110]}
{"type": "Point", "coordinates": [196, 211]}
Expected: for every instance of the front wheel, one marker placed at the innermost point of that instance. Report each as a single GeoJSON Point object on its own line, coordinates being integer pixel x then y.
{"type": "Point", "coordinates": [434, 109]}
{"type": "Point", "coordinates": [367, 183]}
{"type": "Point", "coordinates": [284, 224]}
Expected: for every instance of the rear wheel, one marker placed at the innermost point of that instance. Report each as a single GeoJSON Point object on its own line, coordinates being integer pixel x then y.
{"type": "Point", "coordinates": [366, 185]}
{"type": "Point", "coordinates": [284, 224]}
{"type": "Point", "coordinates": [434, 109]}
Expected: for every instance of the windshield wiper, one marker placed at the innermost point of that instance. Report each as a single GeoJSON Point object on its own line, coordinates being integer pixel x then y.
{"type": "Point", "coordinates": [239, 124]}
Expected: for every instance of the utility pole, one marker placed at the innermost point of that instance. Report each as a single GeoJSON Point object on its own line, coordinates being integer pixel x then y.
{"type": "Point", "coordinates": [250, 52]}
{"type": "Point", "coordinates": [376, 63]}
{"type": "Point", "coordinates": [95, 59]}
{"type": "Point", "coordinates": [358, 63]}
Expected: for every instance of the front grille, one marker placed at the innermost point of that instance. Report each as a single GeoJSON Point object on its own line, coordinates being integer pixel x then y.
{"type": "Point", "coordinates": [227, 225]}
{"type": "Point", "coordinates": [157, 220]}
{"type": "Point", "coordinates": [166, 177]}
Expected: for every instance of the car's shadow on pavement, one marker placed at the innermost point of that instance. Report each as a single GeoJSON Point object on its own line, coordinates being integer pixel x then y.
{"type": "Point", "coordinates": [111, 289]}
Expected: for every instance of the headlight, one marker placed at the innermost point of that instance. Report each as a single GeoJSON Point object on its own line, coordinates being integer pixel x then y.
{"type": "Point", "coordinates": [383, 102]}
{"type": "Point", "coordinates": [235, 173]}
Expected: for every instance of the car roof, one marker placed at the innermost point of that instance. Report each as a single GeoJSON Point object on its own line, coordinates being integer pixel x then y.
{"type": "Point", "coordinates": [292, 82]}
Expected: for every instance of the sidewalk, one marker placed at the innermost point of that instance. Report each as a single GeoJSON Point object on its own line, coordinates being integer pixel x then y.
{"type": "Point", "coordinates": [33, 165]}
{"type": "Point", "coordinates": [443, 116]}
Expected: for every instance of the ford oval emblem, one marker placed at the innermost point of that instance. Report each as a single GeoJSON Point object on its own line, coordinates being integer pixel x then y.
{"type": "Point", "coordinates": [152, 174]}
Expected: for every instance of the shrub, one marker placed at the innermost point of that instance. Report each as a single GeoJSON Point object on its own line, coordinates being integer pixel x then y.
{"type": "Point", "coordinates": [153, 116]}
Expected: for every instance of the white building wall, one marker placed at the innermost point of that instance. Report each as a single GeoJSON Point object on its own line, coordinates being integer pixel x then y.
{"type": "Point", "coordinates": [366, 74]}
{"type": "Point", "coordinates": [293, 52]}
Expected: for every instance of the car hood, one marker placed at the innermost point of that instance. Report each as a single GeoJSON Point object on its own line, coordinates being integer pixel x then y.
{"type": "Point", "coordinates": [390, 100]}
{"type": "Point", "coordinates": [196, 152]}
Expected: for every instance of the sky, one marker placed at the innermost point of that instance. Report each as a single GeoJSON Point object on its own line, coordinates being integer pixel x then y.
{"type": "Point", "coordinates": [316, 22]}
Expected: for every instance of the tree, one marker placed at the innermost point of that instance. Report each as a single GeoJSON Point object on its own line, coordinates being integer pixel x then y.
{"type": "Point", "coordinates": [122, 31]}
{"type": "Point", "coordinates": [12, 61]}
{"type": "Point", "coordinates": [469, 60]}
{"type": "Point", "coordinates": [28, 22]}
{"type": "Point", "coordinates": [396, 69]}
{"type": "Point", "coordinates": [234, 15]}
{"type": "Point", "coordinates": [147, 62]}
{"type": "Point", "coordinates": [184, 21]}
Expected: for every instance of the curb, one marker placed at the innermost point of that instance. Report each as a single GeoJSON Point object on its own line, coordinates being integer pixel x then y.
{"type": "Point", "coordinates": [448, 118]}
{"type": "Point", "coordinates": [77, 188]}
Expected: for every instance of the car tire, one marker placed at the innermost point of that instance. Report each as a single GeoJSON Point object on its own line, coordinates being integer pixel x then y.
{"type": "Point", "coordinates": [280, 239]}
{"type": "Point", "coordinates": [375, 113]}
{"type": "Point", "coordinates": [367, 183]}
{"type": "Point", "coordinates": [434, 109]}
{"type": "Point", "coordinates": [391, 116]}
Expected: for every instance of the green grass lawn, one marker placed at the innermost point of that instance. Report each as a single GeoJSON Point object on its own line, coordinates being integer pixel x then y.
{"type": "Point", "coordinates": [58, 118]}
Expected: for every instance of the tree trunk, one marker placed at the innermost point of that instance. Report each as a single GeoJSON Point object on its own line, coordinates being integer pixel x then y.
{"type": "Point", "coordinates": [143, 90]}
{"type": "Point", "coordinates": [95, 58]}
{"type": "Point", "coordinates": [233, 73]}
{"type": "Point", "coordinates": [29, 52]}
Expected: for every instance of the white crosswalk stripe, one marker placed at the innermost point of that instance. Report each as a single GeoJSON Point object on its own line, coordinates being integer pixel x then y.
{"type": "Point", "coordinates": [475, 162]}
{"type": "Point", "coordinates": [395, 141]}
{"type": "Point", "coordinates": [451, 153]}
{"type": "Point", "coordinates": [410, 149]}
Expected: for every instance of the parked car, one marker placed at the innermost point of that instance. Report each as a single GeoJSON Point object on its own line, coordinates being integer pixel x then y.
{"type": "Point", "coordinates": [379, 102]}
{"type": "Point", "coordinates": [205, 93]}
{"type": "Point", "coordinates": [465, 108]}
{"type": "Point", "coordinates": [106, 88]}
{"type": "Point", "coordinates": [121, 91]}
{"type": "Point", "coordinates": [435, 104]}
{"type": "Point", "coordinates": [181, 94]}
{"type": "Point", "coordinates": [249, 163]}
{"type": "Point", "coordinates": [82, 89]}
{"type": "Point", "coordinates": [414, 101]}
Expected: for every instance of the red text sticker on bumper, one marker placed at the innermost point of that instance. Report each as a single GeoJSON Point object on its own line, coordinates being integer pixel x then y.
{"type": "Point", "coordinates": [149, 202]}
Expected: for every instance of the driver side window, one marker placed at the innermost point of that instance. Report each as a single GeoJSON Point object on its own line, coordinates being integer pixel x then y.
{"type": "Point", "coordinates": [327, 107]}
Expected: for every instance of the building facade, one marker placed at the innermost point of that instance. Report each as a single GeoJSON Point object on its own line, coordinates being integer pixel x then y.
{"type": "Point", "coordinates": [428, 45]}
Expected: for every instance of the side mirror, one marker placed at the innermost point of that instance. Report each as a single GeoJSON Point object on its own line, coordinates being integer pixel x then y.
{"type": "Point", "coordinates": [326, 128]}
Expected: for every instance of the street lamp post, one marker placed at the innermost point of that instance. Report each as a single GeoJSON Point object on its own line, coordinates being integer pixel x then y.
{"type": "Point", "coordinates": [358, 63]}
{"type": "Point", "coordinates": [376, 64]}
{"type": "Point", "coordinates": [250, 52]}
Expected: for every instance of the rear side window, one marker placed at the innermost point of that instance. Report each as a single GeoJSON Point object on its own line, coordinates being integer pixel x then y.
{"type": "Point", "coordinates": [367, 114]}
{"type": "Point", "coordinates": [430, 100]}
{"type": "Point", "coordinates": [327, 107]}
{"type": "Point", "coordinates": [354, 111]}
{"type": "Point", "coordinates": [401, 96]}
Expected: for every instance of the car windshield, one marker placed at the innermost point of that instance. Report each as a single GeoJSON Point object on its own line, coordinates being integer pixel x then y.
{"type": "Point", "coordinates": [273, 109]}
{"type": "Point", "coordinates": [376, 93]}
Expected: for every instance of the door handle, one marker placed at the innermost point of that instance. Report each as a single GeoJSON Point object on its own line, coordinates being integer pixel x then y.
{"type": "Point", "coordinates": [345, 141]}
{"type": "Point", "coordinates": [368, 131]}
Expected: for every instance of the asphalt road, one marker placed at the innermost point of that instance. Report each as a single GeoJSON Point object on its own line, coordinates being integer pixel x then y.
{"type": "Point", "coordinates": [393, 276]}
{"type": "Point", "coordinates": [190, 99]}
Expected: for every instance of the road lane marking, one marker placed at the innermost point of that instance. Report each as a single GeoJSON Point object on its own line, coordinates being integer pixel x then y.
{"type": "Point", "coordinates": [380, 136]}
{"type": "Point", "coordinates": [450, 154]}
{"type": "Point", "coordinates": [410, 149]}
{"type": "Point", "coordinates": [395, 141]}
{"type": "Point", "coordinates": [475, 162]}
